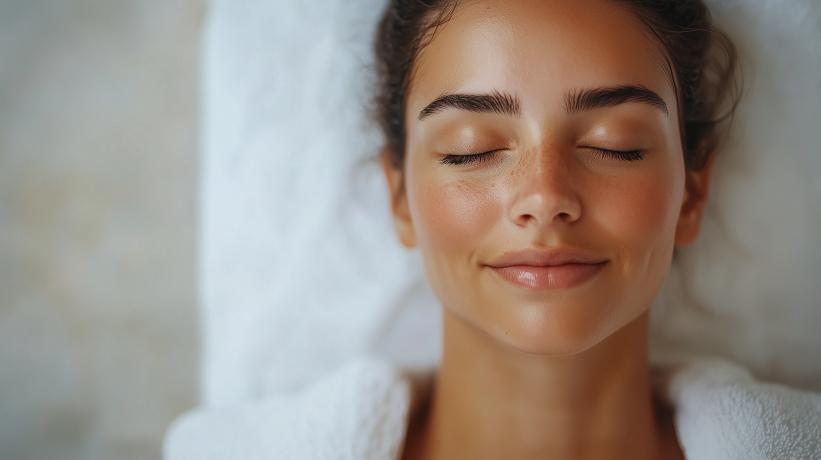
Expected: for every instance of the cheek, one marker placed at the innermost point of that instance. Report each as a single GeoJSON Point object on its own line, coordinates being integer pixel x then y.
{"type": "Point", "coordinates": [452, 219]}
{"type": "Point", "coordinates": [451, 216]}
{"type": "Point", "coordinates": [641, 214]}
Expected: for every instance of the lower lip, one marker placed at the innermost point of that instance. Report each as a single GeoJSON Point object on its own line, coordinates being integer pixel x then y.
{"type": "Point", "coordinates": [555, 277]}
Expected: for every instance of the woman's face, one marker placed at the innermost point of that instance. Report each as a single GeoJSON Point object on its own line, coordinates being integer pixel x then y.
{"type": "Point", "coordinates": [544, 181]}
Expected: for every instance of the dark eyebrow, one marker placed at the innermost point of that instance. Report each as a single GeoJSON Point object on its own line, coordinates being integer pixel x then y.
{"type": "Point", "coordinates": [494, 102]}
{"type": "Point", "coordinates": [590, 99]}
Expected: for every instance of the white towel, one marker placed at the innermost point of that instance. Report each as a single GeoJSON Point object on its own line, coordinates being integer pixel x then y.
{"type": "Point", "coordinates": [360, 413]}
{"type": "Point", "coordinates": [300, 268]}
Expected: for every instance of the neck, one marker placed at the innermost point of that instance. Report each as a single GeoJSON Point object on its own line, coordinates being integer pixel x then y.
{"type": "Point", "coordinates": [491, 401]}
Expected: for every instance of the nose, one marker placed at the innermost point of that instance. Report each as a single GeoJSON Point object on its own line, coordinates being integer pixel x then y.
{"type": "Point", "coordinates": [544, 190]}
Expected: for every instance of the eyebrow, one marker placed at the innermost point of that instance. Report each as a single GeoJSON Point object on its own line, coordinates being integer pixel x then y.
{"type": "Point", "coordinates": [495, 102]}
{"type": "Point", "coordinates": [590, 99]}
{"type": "Point", "coordinates": [578, 101]}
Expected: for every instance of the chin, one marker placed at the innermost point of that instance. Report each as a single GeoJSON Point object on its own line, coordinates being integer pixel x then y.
{"type": "Point", "coordinates": [551, 330]}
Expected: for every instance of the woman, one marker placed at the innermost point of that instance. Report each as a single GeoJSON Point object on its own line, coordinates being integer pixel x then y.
{"type": "Point", "coordinates": [546, 157]}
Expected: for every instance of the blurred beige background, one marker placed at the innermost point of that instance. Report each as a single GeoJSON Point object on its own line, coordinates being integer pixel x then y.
{"type": "Point", "coordinates": [97, 225]}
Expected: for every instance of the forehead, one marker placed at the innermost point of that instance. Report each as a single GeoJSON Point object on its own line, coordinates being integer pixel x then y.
{"type": "Point", "coordinates": [539, 50]}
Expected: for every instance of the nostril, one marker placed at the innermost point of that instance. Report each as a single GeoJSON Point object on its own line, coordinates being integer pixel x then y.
{"type": "Point", "coordinates": [538, 206]}
{"type": "Point", "coordinates": [525, 219]}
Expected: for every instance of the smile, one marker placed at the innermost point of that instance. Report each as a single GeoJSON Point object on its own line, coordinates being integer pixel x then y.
{"type": "Point", "coordinates": [547, 270]}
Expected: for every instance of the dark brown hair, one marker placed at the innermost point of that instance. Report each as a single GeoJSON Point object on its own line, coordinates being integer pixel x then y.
{"type": "Point", "coordinates": [701, 61]}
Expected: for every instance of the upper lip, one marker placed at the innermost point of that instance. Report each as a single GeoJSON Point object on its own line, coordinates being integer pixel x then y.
{"type": "Point", "coordinates": [545, 258]}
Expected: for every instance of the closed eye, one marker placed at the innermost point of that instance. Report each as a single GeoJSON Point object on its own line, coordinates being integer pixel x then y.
{"type": "Point", "coordinates": [621, 155]}
{"type": "Point", "coordinates": [474, 158]}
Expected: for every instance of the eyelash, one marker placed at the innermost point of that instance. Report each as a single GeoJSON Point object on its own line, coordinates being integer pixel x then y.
{"type": "Point", "coordinates": [621, 155]}
{"type": "Point", "coordinates": [461, 160]}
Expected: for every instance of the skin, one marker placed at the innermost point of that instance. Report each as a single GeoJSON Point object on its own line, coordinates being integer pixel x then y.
{"type": "Point", "coordinates": [560, 373]}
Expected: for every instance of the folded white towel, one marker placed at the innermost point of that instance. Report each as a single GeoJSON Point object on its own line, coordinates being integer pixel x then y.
{"type": "Point", "coordinates": [360, 412]}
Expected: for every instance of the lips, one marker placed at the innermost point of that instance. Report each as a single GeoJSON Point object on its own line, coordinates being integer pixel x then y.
{"type": "Point", "coordinates": [541, 270]}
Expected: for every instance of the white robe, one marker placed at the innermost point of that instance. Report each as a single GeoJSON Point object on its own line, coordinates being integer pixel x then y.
{"type": "Point", "coordinates": [361, 411]}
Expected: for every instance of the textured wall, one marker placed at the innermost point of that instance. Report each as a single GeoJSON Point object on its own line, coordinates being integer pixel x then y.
{"type": "Point", "coordinates": [97, 225]}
